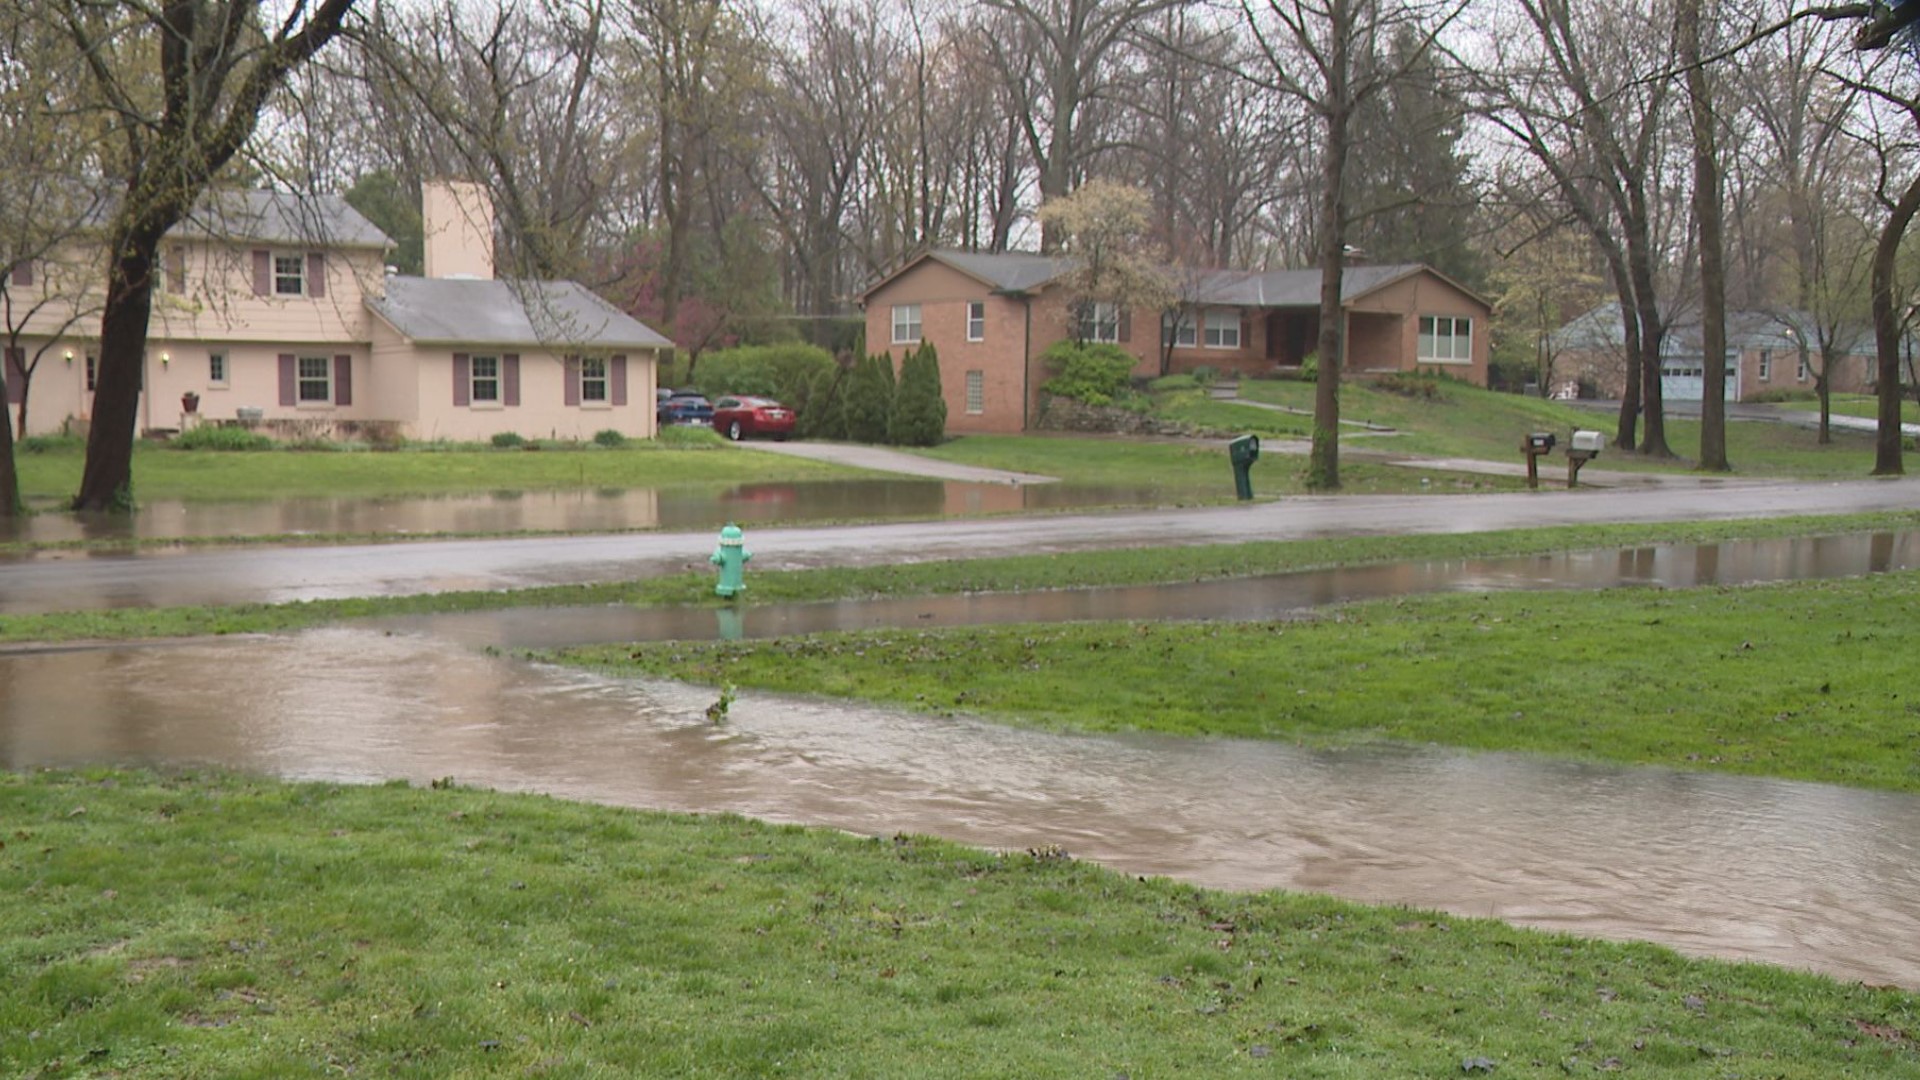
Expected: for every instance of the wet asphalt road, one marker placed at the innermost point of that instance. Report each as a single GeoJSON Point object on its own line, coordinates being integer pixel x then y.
{"type": "Point", "coordinates": [57, 581]}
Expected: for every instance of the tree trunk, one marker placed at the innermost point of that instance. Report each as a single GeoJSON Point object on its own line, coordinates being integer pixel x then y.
{"type": "Point", "coordinates": [1886, 332]}
{"type": "Point", "coordinates": [1323, 465]}
{"type": "Point", "coordinates": [107, 482]}
{"type": "Point", "coordinates": [10, 504]}
{"type": "Point", "coordinates": [1626, 435]}
{"type": "Point", "coordinates": [1713, 266]}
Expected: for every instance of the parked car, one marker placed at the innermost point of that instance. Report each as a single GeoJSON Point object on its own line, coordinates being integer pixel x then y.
{"type": "Point", "coordinates": [743, 417]}
{"type": "Point", "coordinates": [684, 407]}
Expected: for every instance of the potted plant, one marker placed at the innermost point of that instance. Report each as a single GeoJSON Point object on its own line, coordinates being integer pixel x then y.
{"type": "Point", "coordinates": [190, 401]}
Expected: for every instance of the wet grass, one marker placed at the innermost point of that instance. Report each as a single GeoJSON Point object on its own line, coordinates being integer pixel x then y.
{"type": "Point", "coordinates": [1809, 681]}
{"type": "Point", "coordinates": [214, 476]}
{"type": "Point", "coordinates": [1468, 421]}
{"type": "Point", "coordinates": [214, 925]}
{"type": "Point", "coordinates": [1090, 569]}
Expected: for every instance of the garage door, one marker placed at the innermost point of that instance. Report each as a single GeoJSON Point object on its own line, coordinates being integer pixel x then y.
{"type": "Point", "coordinates": [1684, 378]}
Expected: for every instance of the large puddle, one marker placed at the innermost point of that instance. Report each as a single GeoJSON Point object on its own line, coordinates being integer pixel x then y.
{"type": "Point", "coordinates": [1242, 599]}
{"type": "Point", "coordinates": [1805, 875]}
{"type": "Point", "coordinates": [602, 510]}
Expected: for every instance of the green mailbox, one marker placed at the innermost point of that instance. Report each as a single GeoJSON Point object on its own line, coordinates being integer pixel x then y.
{"type": "Point", "coordinates": [1244, 451]}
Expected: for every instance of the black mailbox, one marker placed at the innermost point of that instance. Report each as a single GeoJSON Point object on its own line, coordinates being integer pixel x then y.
{"type": "Point", "coordinates": [1540, 442]}
{"type": "Point", "coordinates": [1243, 452]}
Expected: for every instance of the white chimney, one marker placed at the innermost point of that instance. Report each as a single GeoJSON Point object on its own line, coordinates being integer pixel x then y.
{"type": "Point", "coordinates": [457, 219]}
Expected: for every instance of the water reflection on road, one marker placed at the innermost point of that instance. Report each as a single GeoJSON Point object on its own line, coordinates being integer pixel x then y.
{"type": "Point", "coordinates": [599, 510]}
{"type": "Point", "coordinates": [1805, 875]}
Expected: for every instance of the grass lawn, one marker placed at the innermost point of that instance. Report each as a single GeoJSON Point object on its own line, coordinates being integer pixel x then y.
{"type": "Point", "coordinates": [1143, 566]}
{"type": "Point", "coordinates": [204, 475]}
{"type": "Point", "coordinates": [1808, 681]}
{"type": "Point", "coordinates": [1200, 467]}
{"type": "Point", "coordinates": [1853, 405]}
{"type": "Point", "coordinates": [168, 926]}
{"type": "Point", "coordinates": [1467, 421]}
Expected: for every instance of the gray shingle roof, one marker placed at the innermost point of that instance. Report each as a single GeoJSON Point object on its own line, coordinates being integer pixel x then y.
{"type": "Point", "coordinates": [1017, 272]}
{"type": "Point", "coordinates": [277, 217]}
{"type": "Point", "coordinates": [1599, 328]}
{"type": "Point", "coordinates": [548, 314]}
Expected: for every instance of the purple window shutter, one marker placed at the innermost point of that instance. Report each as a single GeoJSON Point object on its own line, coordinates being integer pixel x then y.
{"type": "Point", "coordinates": [510, 379]}
{"type": "Point", "coordinates": [462, 379]}
{"type": "Point", "coordinates": [289, 382]}
{"type": "Point", "coordinates": [262, 272]}
{"type": "Point", "coordinates": [1126, 326]}
{"type": "Point", "coordinates": [16, 376]}
{"type": "Point", "coordinates": [23, 274]}
{"type": "Point", "coordinates": [572, 391]}
{"type": "Point", "coordinates": [316, 275]}
{"type": "Point", "coordinates": [343, 380]}
{"type": "Point", "coordinates": [617, 375]}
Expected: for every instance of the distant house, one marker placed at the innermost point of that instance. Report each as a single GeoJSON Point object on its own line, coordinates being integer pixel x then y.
{"type": "Point", "coordinates": [991, 316]}
{"type": "Point", "coordinates": [277, 311]}
{"type": "Point", "coordinates": [1766, 351]}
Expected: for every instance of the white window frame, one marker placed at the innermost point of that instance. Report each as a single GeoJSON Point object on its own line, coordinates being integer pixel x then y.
{"type": "Point", "coordinates": [490, 379]}
{"type": "Point", "coordinates": [976, 320]}
{"type": "Point", "coordinates": [1766, 365]}
{"type": "Point", "coordinates": [93, 371]}
{"type": "Point", "coordinates": [1100, 322]}
{"type": "Point", "coordinates": [906, 324]}
{"type": "Point", "coordinates": [1455, 346]}
{"type": "Point", "coordinates": [303, 382]}
{"type": "Point", "coordinates": [1803, 371]}
{"type": "Point", "coordinates": [1223, 329]}
{"type": "Point", "coordinates": [1177, 329]}
{"type": "Point", "coordinates": [976, 393]}
{"type": "Point", "coordinates": [290, 267]}
{"type": "Point", "coordinates": [596, 385]}
{"type": "Point", "coordinates": [218, 370]}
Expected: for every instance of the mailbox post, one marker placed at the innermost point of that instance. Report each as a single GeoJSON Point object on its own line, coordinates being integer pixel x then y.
{"type": "Point", "coordinates": [1534, 445]}
{"type": "Point", "coordinates": [1244, 451]}
{"type": "Point", "coordinates": [1586, 446]}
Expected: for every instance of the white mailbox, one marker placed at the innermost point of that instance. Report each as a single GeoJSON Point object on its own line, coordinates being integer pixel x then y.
{"type": "Point", "coordinates": [1589, 441]}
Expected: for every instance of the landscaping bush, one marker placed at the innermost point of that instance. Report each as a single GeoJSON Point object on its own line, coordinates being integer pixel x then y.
{"type": "Point", "coordinates": [609, 438]}
{"type": "Point", "coordinates": [1781, 394]}
{"type": "Point", "coordinates": [1096, 374]}
{"type": "Point", "coordinates": [507, 440]}
{"type": "Point", "coordinates": [919, 412]}
{"type": "Point", "coordinates": [823, 412]}
{"type": "Point", "coordinates": [1205, 376]}
{"type": "Point", "coordinates": [210, 437]}
{"type": "Point", "coordinates": [1309, 368]}
{"type": "Point", "coordinates": [49, 444]}
{"type": "Point", "coordinates": [1166, 384]}
{"type": "Point", "coordinates": [690, 437]}
{"type": "Point", "coordinates": [1420, 385]}
{"type": "Point", "coordinates": [777, 371]}
{"type": "Point", "coordinates": [869, 399]}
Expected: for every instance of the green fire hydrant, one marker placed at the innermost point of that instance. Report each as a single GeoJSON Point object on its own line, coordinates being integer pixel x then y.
{"type": "Point", "coordinates": [1243, 452]}
{"type": "Point", "coordinates": [731, 557]}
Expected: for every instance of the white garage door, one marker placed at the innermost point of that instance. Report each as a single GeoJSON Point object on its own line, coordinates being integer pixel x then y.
{"type": "Point", "coordinates": [1684, 378]}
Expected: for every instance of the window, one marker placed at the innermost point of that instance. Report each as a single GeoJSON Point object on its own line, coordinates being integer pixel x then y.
{"type": "Point", "coordinates": [1766, 364]}
{"type": "Point", "coordinates": [593, 378]}
{"type": "Point", "coordinates": [1177, 330]}
{"type": "Point", "coordinates": [316, 380]}
{"type": "Point", "coordinates": [1099, 321]}
{"type": "Point", "coordinates": [217, 369]}
{"type": "Point", "coordinates": [906, 324]}
{"type": "Point", "coordinates": [486, 379]}
{"type": "Point", "coordinates": [1801, 371]}
{"type": "Point", "coordinates": [93, 371]}
{"type": "Point", "coordinates": [1445, 339]}
{"type": "Point", "coordinates": [1223, 329]}
{"type": "Point", "coordinates": [976, 392]}
{"type": "Point", "coordinates": [977, 320]}
{"type": "Point", "coordinates": [289, 275]}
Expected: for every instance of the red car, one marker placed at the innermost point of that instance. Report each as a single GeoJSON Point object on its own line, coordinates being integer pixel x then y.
{"type": "Point", "coordinates": [740, 417]}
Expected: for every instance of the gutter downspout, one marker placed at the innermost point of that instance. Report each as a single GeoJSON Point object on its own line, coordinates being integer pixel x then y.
{"type": "Point", "coordinates": [1026, 364]}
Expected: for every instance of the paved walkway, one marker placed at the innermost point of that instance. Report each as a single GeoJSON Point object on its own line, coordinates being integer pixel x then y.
{"type": "Point", "coordinates": [881, 459]}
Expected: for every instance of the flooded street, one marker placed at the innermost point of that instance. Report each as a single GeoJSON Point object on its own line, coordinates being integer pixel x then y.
{"type": "Point", "coordinates": [608, 510]}
{"type": "Point", "coordinates": [1805, 875]}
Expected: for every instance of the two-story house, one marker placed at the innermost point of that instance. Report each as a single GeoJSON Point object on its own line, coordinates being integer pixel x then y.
{"type": "Point", "coordinates": [991, 317]}
{"type": "Point", "coordinates": [278, 311]}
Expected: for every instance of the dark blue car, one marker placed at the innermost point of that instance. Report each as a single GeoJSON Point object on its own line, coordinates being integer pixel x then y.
{"type": "Point", "coordinates": [684, 407]}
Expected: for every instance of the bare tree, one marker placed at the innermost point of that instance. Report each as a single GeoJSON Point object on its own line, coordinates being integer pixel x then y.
{"type": "Point", "coordinates": [1707, 213]}
{"type": "Point", "coordinates": [1332, 57]}
{"type": "Point", "coordinates": [179, 88]}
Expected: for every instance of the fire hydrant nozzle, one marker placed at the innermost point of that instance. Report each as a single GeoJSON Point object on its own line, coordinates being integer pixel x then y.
{"type": "Point", "coordinates": [731, 557]}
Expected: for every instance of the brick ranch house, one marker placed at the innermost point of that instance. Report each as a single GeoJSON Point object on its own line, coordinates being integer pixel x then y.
{"type": "Point", "coordinates": [991, 316]}
{"type": "Point", "coordinates": [277, 312]}
{"type": "Point", "coordinates": [1765, 351]}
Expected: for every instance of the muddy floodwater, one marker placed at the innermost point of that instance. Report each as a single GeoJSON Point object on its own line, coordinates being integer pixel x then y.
{"type": "Point", "coordinates": [1805, 875]}
{"type": "Point", "coordinates": [600, 510]}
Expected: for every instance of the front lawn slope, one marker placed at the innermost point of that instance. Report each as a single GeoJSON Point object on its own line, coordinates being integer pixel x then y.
{"type": "Point", "coordinates": [168, 926]}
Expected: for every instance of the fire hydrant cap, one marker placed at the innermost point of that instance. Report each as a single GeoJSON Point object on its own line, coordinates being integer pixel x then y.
{"type": "Point", "coordinates": [732, 536]}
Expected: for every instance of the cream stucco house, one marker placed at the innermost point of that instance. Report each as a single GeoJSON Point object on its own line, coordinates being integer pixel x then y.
{"type": "Point", "coordinates": [277, 312]}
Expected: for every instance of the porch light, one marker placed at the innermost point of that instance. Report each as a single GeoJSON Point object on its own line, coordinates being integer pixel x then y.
{"type": "Point", "coordinates": [165, 359]}
{"type": "Point", "coordinates": [68, 357]}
